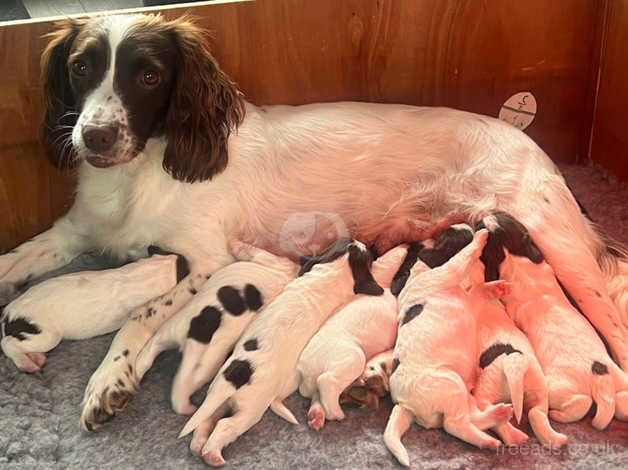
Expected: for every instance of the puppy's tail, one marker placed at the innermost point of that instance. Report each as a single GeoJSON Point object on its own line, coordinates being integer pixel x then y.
{"type": "Point", "coordinates": [219, 392]}
{"type": "Point", "coordinates": [515, 366]}
{"type": "Point", "coordinates": [398, 423]}
{"type": "Point", "coordinates": [282, 411]}
{"type": "Point", "coordinates": [603, 394]}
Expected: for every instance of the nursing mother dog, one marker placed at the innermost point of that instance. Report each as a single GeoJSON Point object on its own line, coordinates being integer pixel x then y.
{"type": "Point", "coordinates": [169, 153]}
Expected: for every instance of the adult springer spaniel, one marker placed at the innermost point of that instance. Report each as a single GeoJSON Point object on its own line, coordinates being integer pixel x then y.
{"type": "Point", "coordinates": [169, 153]}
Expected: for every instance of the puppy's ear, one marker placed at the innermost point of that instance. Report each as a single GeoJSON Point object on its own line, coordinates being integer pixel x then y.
{"type": "Point", "coordinates": [403, 274]}
{"type": "Point", "coordinates": [205, 107]}
{"type": "Point", "coordinates": [360, 260]}
{"type": "Point", "coordinates": [60, 113]}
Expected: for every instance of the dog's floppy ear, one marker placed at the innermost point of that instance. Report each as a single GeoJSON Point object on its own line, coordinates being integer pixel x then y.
{"type": "Point", "coordinates": [205, 107]}
{"type": "Point", "coordinates": [60, 113]}
{"type": "Point", "coordinates": [360, 261]}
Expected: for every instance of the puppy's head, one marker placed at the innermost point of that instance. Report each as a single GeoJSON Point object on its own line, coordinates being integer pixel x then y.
{"type": "Point", "coordinates": [505, 232]}
{"type": "Point", "coordinates": [448, 243]}
{"type": "Point", "coordinates": [431, 254]}
{"type": "Point", "coordinates": [113, 82]}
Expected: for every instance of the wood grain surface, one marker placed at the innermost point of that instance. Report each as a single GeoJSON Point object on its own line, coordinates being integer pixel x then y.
{"type": "Point", "coordinates": [469, 54]}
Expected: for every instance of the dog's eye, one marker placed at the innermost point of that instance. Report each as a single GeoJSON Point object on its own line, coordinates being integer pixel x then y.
{"type": "Point", "coordinates": [150, 79]}
{"type": "Point", "coordinates": [79, 68]}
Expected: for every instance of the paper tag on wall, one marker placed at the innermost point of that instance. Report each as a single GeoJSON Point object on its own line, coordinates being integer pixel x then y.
{"type": "Point", "coordinates": [519, 110]}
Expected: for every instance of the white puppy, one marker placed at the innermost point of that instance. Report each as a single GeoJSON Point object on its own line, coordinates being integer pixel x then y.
{"type": "Point", "coordinates": [575, 362]}
{"type": "Point", "coordinates": [208, 327]}
{"type": "Point", "coordinates": [55, 309]}
{"type": "Point", "coordinates": [510, 372]}
{"type": "Point", "coordinates": [436, 351]}
{"type": "Point", "coordinates": [337, 354]}
{"type": "Point", "coordinates": [253, 379]}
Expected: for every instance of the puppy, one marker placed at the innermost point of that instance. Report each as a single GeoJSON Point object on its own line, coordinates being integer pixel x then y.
{"type": "Point", "coordinates": [53, 310]}
{"type": "Point", "coordinates": [208, 327]}
{"type": "Point", "coordinates": [510, 372]}
{"type": "Point", "coordinates": [261, 371]}
{"type": "Point", "coordinates": [436, 350]}
{"type": "Point", "coordinates": [337, 354]}
{"type": "Point", "coordinates": [575, 362]}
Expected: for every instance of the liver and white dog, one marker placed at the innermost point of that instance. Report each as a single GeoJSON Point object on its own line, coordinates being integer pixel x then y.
{"type": "Point", "coordinates": [578, 369]}
{"type": "Point", "coordinates": [436, 351]}
{"type": "Point", "coordinates": [253, 379]}
{"type": "Point", "coordinates": [510, 372]}
{"type": "Point", "coordinates": [208, 327]}
{"type": "Point", "coordinates": [169, 153]}
{"type": "Point", "coordinates": [337, 354]}
{"type": "Point", "coordinates": [56, 309]}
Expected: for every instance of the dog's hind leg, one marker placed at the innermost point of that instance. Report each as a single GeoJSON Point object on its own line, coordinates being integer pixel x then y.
{"type": "Point", "coordinates": [226, 431]}
{"type": "Point", "coordinates": [28, 354]}
{"type": "Point", "coordinates": [510, 435]}
{"type": "Point", "coordinates": [492, 415]}
{"type": "Point", "coordinates": [332, 383]}
{"type": "Point", "coordinates": [183, 385]}
{"type": "Point", "coordinates": [461, 426]}
{"type": "Point", "coordinates": [572, 409]}
{"type": "Point", "coordinates": [316, 413]}
{"type": "Point", "coordinates": [202, 432]}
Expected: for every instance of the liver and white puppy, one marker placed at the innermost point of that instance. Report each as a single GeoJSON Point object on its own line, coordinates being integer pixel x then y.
{"type": "Point", "coordinates": [53, 310]}
{"type": "Point", "coordinates": [575, 362]}
{"type": "Point", "coordinates": [208, 327]}
{"type": "Point", "coordinates": [436, 351]}
{"type": "Point", "coordinates": [510, 372]}
{"type": "Point", "coordinates": [254, 378]}
{"type": "Point", "coordinates": [337, 354]}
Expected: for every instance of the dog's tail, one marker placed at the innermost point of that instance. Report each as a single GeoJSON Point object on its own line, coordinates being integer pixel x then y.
{"type": "Point", "coordinates": [219, 392]}
{"type": "Point", "coordinates": [281, 410]}
{"type": "Point", "coordinates": [398, 423]}
{"type": "Point", "coordinates": [603, 394]}
{"type": "Point", "coordinates": [515, 366]}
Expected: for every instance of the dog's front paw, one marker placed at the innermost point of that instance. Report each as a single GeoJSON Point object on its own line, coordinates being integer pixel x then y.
{"type": "Point", "coordinates": [109, 390]}
{"type": "Point", "coordinates": [8, 292]}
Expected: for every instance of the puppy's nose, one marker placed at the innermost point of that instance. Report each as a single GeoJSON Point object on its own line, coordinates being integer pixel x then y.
{"type": "Point", "coordinates": [100, 139]}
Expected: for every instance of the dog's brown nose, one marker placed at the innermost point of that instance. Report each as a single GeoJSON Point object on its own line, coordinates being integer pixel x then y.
{"type": "Point", "coordinates": [100, 139]}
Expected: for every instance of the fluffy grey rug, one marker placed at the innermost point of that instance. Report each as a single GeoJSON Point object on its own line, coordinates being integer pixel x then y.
{"type": "Point", "coordinates": [39, 413]}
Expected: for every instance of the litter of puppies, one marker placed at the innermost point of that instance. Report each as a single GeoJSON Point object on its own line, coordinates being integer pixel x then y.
{"type": "Point", "coordinates": [467, 332]}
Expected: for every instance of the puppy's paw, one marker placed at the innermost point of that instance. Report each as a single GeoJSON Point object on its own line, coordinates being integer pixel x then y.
{"type": "Point", "coordinates": [109, 390]}
{"type": "Point", "coordinates": [8, 293]}
{"type": "Point", "coordinates": [29, 362]}
{"type": "Point", "coordinates": [502, 412]}
{"type": "Point", "coordinates": [213, 458]}
{"type": "Point", "coordinates": [316, 417]}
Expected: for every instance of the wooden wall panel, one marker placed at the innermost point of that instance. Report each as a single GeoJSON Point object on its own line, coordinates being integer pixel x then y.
{"type": "Point", "coordinates": [609, 141]}
{"type": "Point", "coordinates": [469, 54]}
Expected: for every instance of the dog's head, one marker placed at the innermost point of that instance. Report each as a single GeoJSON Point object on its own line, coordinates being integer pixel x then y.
{"type": "Point", "coordinates": [113, 82]}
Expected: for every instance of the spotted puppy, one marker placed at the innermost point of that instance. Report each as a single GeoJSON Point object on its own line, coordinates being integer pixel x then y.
{"type": "Point", "coordinates": [510, 372]}
{"type": "Point", "coordinates": [578, 369]}
{"type": "Point", "coordinates": [208, 327]}
{"type": "Point", "coordinates": [257, 377]}
{"type": "Point", "coordinates": [436, 350]}
{"type": "Point", "coordinates": [55, 309]}
{"type": "Point", "coordinates": [336, 356]}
